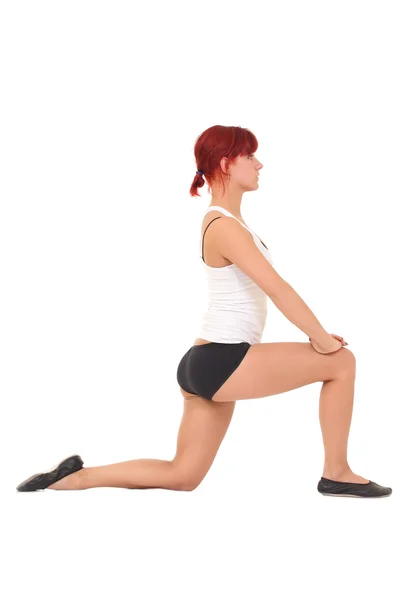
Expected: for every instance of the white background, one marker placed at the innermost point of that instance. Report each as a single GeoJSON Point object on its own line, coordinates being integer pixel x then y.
{"type": "Point", "coordinates": [103, 289]}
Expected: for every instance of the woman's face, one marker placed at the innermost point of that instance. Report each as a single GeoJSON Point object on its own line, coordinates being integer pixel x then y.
{"type": "Point", "coordinates": [244, 172]}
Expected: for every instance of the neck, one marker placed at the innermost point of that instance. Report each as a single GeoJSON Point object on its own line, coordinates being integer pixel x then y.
{"type": "Point", "coordinates": [232, 207]}
{"type": "Point", "coordinates": [229, 198]}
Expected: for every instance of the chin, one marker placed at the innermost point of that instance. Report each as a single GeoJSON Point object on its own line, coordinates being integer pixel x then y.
{"type": "Point", "coordinates": [253, 187]}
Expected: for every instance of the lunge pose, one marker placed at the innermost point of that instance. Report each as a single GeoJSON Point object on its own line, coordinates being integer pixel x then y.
{"type": "Point", "coordinates": [227, 361]}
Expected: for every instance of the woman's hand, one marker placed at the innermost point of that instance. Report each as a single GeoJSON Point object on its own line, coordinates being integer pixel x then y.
{"type": "Point", "coordinates": [335, 344]}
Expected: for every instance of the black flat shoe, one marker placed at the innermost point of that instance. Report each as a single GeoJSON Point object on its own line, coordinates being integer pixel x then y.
{"type": "Point", "coordinates": [328, 487]}
{"type": "Point", "coordinates": [41, 481]}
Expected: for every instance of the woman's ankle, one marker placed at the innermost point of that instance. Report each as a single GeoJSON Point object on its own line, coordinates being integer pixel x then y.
{"type": "Point", "coordinates": [74, 481]}
{"type": "Point", "coordinates": [335, 471]}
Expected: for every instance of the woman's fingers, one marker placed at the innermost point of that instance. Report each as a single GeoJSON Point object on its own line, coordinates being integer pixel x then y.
{"type": "Point", "coordinates": [337, 337]}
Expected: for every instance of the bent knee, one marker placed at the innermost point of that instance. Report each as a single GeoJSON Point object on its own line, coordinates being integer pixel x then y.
{"type": "Point", "coordinates": [186, 481]}
{"type": "Point", "coordinates": [346, 362]}
{"type": "Point", "coordinates": [188, 484]}
{"type": "Point", "coordinates": [189, 488]}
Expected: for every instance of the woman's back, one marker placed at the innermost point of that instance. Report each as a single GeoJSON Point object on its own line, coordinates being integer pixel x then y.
{"type": "Point", "coordinates": [237, 305]}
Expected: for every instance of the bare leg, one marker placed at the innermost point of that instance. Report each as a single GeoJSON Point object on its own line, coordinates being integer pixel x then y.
{"type": "Point", "coordinates": [141, 473]}
{"type": "Point", "coordinates": [202, 429]}
{"type": "Point", "coordinates": [335, 413]}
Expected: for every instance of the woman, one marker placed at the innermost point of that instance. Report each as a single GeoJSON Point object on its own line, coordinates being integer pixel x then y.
{"type": "Point", "coordinates": [227, 362]}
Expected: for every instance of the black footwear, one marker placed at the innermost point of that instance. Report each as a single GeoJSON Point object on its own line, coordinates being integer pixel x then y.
{"type": "Point", "coordinates": [328, 487]}
{"type": "Point", "coordinates": [40, 481]}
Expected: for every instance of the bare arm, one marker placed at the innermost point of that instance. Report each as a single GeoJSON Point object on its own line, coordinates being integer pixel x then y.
{"type": "Point", "coordinates": [237, 245]}
{"type": "Point", "coordinates": [296, 310]}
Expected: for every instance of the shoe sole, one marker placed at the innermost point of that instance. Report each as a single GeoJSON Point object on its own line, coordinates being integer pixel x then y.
{"type": "Point", "coordinates": [65, 467]}
{"type": "Point", "coordinates": [355, 496]}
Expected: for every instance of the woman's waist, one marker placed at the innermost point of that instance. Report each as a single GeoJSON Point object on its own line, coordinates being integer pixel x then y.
{"type": "Point", "coordinates": [244, 310]}
{"type": "Point", "coordinates": [233, 319]}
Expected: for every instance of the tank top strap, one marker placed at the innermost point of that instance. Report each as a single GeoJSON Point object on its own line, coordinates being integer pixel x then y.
{"type": "Point", "coordinates": [227, 214]}
{"type": "Point", "coordinates": [202, 243]}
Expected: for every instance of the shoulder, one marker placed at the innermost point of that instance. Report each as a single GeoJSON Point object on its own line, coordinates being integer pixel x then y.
{"type": "Point", "coordinates": [210, 216]}
{"type": "Point", "coordinates": [223, 224]}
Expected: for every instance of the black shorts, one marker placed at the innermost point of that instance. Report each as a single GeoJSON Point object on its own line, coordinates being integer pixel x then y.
{"type": "Point", "coordinates": [204, 368]}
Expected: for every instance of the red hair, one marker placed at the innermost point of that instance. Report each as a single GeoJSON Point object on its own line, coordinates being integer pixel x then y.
{"type": "Point", "coordinates": [216, 143]}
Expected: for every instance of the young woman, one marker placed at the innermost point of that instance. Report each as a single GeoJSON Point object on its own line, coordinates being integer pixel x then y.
{"type": "Point", "coordinates": [228, 362]}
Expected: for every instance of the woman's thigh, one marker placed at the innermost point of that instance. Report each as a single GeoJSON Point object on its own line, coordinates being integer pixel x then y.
{"type": "Point", "coordinates": [278, 367]}
{"type": "Point", "coordinates": [202, 429]}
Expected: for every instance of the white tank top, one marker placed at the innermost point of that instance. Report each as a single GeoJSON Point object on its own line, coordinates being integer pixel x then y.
{"type": "Point", "coordinates": [237, 308]}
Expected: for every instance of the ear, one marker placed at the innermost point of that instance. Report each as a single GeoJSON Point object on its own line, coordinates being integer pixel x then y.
{"type": "Point", "coordinates": [224, 167]}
